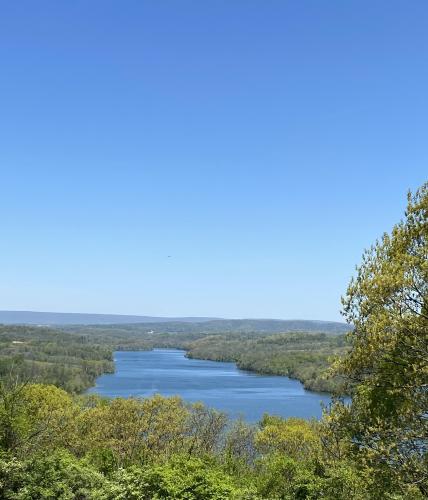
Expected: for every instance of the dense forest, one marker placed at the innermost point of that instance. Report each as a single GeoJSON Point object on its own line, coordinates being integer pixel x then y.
{"type": "Point", "coordinates": [303, 356]}
{"type": "Point", "coordinates": [59, 447]}
{"type": "Point", "coordinates": [56, 445]}
{"type": "Point", "coordinates": [71, 362]}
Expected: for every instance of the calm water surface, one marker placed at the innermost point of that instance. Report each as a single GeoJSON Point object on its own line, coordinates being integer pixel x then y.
{"type": "Point", "coordinates": [218, 385]}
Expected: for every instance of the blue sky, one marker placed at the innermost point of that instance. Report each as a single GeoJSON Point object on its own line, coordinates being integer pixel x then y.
{"type": "Point", "coordinates": [261, 144]}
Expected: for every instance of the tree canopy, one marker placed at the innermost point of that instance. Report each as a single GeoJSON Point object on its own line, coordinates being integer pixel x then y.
{"type": "Point", "coordinates": [387, 302]}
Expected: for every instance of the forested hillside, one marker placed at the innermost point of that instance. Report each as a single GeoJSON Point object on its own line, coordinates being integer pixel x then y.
{"type": "Point", "coordinates": [72, 362]}
{"type": "Point", "coordinates": [303, 356]}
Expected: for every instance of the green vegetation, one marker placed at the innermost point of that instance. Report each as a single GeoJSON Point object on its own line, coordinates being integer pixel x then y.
{"type": "Point", "coordinates": [388, 304]}
{"type": "Point", "coordinates": [54, 445]}
{"type": "Point", "coordinates": [72, 362]}
{"type": "Point", "coordinates": [303, 356]}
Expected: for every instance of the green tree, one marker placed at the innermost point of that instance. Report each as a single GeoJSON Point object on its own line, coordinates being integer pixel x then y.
{"type": "Point", "coordinates": [34, 417]}
{"type": "Point", "coordinates": [293, 437]}
{"type": "Point", "coordinates": [387, 302]}
{"type": "Point", "coordinates": [124, 431]}
{"type": "Point", "coordinates": [56, 476]}
{"type": "Point", "coordinates": [182, 478]}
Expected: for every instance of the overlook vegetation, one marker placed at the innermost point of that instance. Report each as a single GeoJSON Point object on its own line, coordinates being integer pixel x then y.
{"type": "Point", "coordinates": [387, 302]}
{"type": "Point", "coordinates": [55, 446]}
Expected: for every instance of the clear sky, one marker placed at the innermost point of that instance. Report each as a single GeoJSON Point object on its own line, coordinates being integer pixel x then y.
{"type": "Point", "coordinates": [215, 158]}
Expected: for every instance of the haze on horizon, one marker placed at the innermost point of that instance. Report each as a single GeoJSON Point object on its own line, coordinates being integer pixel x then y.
{"type": "Point", "coordinates": [209, 159]}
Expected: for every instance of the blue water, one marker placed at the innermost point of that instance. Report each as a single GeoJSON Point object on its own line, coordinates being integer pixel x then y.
{"type": "Point", "coordinates": [218, 385]}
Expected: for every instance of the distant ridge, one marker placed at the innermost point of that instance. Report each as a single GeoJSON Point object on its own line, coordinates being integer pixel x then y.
{"type": "Point", "coordinates": [164, 324]}
{"type": "Point", "coordinates": [55, 318]}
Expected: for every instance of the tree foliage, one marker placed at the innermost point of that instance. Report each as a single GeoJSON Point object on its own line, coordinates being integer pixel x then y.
{"type": "Point", "coordinates": [387, 302]}
{"type": "Point", "coordinates": [55, 445]}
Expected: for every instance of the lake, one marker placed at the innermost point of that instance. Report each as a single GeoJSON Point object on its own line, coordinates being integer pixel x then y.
{"type": "Point", "coordinates": [218, 385]}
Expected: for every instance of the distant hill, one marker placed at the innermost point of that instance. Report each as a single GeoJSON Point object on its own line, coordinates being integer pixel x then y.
{"type": "Point", "coordinates": [264, 326]}
{"type": "Point", "coordinates": [53, 318]}
{"type": "Point", "coordinates": [171, 325]}
{"type": "Point", "coordinates": [270, 326]}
